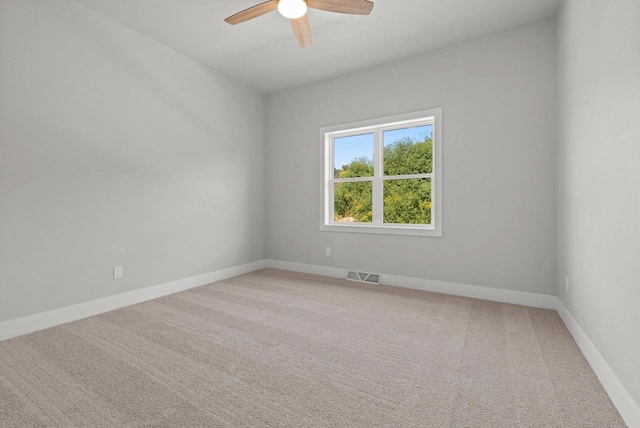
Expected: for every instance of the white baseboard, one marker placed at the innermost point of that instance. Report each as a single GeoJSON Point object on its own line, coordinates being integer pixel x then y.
{"type": "Point", "coordinates": [305, 268]}
{"type": "Point", "coordinates": [31, 323]}
{"type": "Point", "coordinates": [628, 409]}
{"type": "Point", "coordinates": [474, 291]}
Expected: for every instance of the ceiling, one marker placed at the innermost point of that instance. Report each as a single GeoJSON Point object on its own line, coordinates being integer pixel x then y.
{"type": "Point", "coordinates": [264, 54]}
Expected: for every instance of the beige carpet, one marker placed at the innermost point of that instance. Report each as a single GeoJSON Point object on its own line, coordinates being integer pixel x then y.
{"type": "Point", "coordinates": [274, 348]}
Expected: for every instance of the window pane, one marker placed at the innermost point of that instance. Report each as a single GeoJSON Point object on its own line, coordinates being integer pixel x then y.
{"type": "Point", "coordinates": [353, 156]}
{"type": "Point", "coordinates": [408, 150]}
{"type": "Point", "coordinates": [352, 202]}
{"type": "Point", "coordinates": [407, 201]}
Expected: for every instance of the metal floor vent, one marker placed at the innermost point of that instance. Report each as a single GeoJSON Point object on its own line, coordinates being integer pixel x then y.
{"type": "Point", "coordinates": [371, 278]}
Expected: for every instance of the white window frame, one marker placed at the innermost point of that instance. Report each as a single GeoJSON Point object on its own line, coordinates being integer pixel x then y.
{"type": "Point", "coordinates": [377, 127]}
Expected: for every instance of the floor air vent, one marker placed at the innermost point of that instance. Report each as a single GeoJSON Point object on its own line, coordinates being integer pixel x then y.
{"type": "Point", "coordinates": [371, 278]}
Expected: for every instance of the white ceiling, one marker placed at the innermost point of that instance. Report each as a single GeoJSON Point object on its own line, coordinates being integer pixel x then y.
{"type": "Point", "coordinates": [264, 54]}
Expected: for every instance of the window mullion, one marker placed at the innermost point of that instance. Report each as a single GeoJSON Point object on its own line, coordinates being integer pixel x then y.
{"type": "Point", "coordinates": [330, 175]}
{"type": "Point", "coordinates": [407, 176]}
{"type": "Point", "coordinates": [351, 180]}
{"type": "Point", "coordinates": [377, 196]}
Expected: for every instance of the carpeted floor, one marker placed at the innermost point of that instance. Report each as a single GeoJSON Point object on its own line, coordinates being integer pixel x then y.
{"type": "Point", "coordinates": [274, 348]}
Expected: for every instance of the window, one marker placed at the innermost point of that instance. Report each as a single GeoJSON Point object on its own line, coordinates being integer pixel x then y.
{"type": "Point", "coordinates": [383, 175]}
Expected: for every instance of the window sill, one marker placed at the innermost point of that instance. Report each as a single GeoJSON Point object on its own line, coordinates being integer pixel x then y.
{"type": "Point", "coordinates": [383, 230]}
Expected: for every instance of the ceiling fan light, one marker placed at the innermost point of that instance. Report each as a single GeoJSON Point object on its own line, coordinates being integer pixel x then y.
{"type": "Point", "coordinates": [292, 9]}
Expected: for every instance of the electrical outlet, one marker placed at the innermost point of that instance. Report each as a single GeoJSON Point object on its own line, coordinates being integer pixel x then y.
{"type": "Point", "coordinates": [327, 251]}
{"type": "Point", "coordinates": [566, 283]}
{"type": "Point", "coordinates": [117, 272]}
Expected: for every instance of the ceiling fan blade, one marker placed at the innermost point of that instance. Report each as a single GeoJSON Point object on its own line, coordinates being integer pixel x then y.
{"type": "Point", "coordinates": [253, 12]}
{"type": "Point", "coordinates": [354, 7]}
{"type": "Point", "coordinates": [302, 30]}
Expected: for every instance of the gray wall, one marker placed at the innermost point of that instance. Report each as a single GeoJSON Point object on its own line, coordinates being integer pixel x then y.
{"type": "Point", "coordinates": [498, 97]}
{"type": "Point", "coordinates": [599, 177]}
{"type": "Point", "coordinates": [115, 150]}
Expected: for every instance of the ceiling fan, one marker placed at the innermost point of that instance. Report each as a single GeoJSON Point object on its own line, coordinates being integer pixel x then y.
{"type": "Point", "coordinates": [296, 11]}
